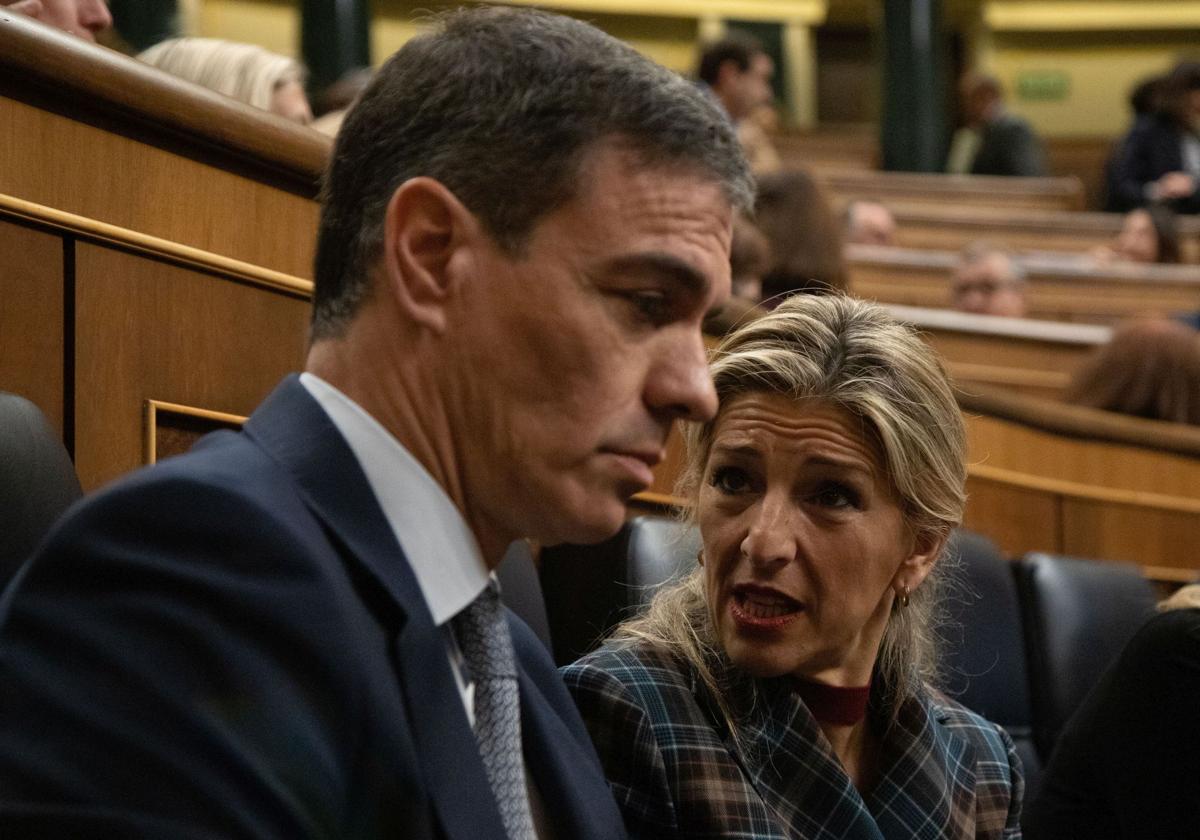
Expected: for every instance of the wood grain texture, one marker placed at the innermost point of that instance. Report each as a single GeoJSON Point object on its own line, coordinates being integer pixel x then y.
{"type": "Point", "coordinates": [78, 168]}
{"type": "Point", "coordinates": [149, 330]}
{"type": "Point", "coordinates": [81, 78]}
{"type": "Point", "coordinates": [31, 317]}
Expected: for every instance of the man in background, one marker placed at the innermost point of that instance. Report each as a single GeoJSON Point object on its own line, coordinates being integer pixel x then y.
{"type": "Point", "coordinates": [989, 281]}
{"type": "Point", "coordinates": [869, 223]}
{"type": "Point", "coordinates": [992, 141]}
{"type": "Point", "coordinates": [84, 18]}
{"type": "Point", "coordinates": [293, 631]}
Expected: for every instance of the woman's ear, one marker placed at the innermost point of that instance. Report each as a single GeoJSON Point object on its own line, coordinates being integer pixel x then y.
{"type": "Point", "coordinates": [926, 549]}
{"type": "Point", "coordinates": [425, 225]}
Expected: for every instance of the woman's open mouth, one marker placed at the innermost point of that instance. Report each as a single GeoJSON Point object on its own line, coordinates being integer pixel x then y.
{"type": "Point", "coordinates": [762, 608]}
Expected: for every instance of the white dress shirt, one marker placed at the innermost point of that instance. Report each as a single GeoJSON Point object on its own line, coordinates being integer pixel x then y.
{"type": "Point", "coordinates": [443, 553]}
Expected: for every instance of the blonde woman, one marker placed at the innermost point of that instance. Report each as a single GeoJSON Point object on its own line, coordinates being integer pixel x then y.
{"type": "Point", "coordinates": [245, 72]}
{"type": "Point", "coordinates": [1127, 764]}
{"type": "Point", "coordinates": [784, 689]}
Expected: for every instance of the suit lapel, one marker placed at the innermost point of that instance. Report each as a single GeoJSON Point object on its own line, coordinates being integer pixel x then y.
{"type": "Point", "coordinates": [566, 775]}
{"type": "Point", "coordinates": [297, 432]}
{"type": "Point", "coordinates": [927, 789]}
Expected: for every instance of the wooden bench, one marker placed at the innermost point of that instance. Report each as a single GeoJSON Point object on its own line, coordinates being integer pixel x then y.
{"type": "Point", "coordinates": [923, 226]}
{"type": "Point", "coordinates": [930, 190]}
{"type": "Point", "coordinates": [1059, 289]}
{"type": "Point", "coordinates": [1050, 477]}
{"type": "Point", "coordinates": [1018, 354]}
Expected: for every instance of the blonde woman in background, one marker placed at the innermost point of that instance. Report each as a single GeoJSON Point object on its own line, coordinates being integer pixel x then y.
{"type": "Point", "coordinates": [245, 72]}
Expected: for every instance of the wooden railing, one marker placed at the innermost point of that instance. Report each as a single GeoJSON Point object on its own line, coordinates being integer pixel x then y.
{"type": "Point", "coordinates": [1018, 354]}
{"type": "Point", "coordinates": [922, 226]}
{"type": "Point", "coordinates": [1058, 289]}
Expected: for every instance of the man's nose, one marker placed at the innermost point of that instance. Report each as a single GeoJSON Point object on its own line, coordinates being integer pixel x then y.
{"type": "Point", "coordinates": [680, 384]}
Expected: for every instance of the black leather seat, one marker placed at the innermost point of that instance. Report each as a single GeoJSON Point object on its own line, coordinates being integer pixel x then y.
{"type": "Point", "coordinates": [591, 588]}
{"type": "Point", "coordinates": [521, 591]}
{"type": "Point", "coordinates": [37, 481]}
{"type": "Point", "coordinates": [1079, 614]}
{"type": "Point", "coordinates": [983, 646]}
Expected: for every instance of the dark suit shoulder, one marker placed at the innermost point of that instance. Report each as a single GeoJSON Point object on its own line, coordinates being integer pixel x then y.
{"type": "Point", "coordinates": [187, 647]}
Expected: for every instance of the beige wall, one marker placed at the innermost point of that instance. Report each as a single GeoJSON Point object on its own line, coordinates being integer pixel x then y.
{"type": "Point", "coordinates": [274, 24]}
{"type": "Point", "coordinates": [1100, 69]}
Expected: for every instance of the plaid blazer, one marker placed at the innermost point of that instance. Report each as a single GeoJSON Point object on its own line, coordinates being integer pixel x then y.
{"type": "Point", "coordinates": [676, 772]}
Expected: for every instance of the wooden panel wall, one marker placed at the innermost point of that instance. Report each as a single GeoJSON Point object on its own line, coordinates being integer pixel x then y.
{"type": "Point", "coordinates": [150, 330]}
{"type": "Point", "coordinates": [81, 169]}
{"type": "Point", "coordinates": [31, 317]}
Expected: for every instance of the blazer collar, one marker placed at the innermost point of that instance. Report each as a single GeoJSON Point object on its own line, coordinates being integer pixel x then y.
{"type": "Point", "coordinates": [926, 780]}
{"type": "Point", "coordinates": [299, 435]}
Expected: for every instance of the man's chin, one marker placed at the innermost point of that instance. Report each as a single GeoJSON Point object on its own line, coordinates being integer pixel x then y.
{"type": "Point", "coordinates": [589, 526]}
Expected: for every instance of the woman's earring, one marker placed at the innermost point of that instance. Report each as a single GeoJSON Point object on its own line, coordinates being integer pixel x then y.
{"type": "Point", "coordinates": [903, 595]}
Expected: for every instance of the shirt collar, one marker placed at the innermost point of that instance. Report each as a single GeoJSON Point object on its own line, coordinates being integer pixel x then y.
{"type": "Point", "coordinates": [443, 553]}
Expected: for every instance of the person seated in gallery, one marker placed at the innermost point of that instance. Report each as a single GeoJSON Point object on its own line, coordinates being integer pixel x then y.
{"type": "Point", "coordinates": [1148, 235]}
{"type": "Point", "coordinates": [1149, 369]}
{"type": "Point", "coordinates": [245, 72]}
{"type": "Point", "coordinates": [804, 235]}
{"type": "Point", "coordinates": [988, 281]}
{"type": "Point", "coordinates": [869, 223]}
{"type": "Point", "coordinates": [992, 141]}
{"type": "Point", "coordinates": [1160, 159]}
{"type": "Point", "coordinates": [784, 688]}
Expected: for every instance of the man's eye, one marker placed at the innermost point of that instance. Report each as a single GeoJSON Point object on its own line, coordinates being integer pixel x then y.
{"type": "Point", "coordinates": [837, 496]}
{"type": "Point", "coordinates": [651, 305]}
{"type": "Point", "coordinates": [730, 480]}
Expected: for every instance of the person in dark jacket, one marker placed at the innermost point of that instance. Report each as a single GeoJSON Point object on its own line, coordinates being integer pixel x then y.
{"type": "Point", "coordinates": [1127, 764]}
{"type": "Point", "coordinates": [993, 141]}
{"type": "Point", "coordinates": [1160, 161]}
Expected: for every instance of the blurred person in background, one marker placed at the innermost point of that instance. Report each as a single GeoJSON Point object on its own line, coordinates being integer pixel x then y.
{"type": "Point", "coordinates": [331, 105]}
{"type": "Point", "coordinates": [83, 18]}
{"type": "Point", "coordinates": [1149, 369]}
{"type": "Point", "coordinates": [246, 72]}
{"type": "Point", "coordinates": [992, 141]}
{"type": "Point", "coordinates": [1148, 235]}
{"type": "Point", "coordinates": [804, 234]}
{"type": "Point", "coordinates": [1145, 100]}
{"type": "Point", "coordinates": [738, 72]}
{"type": "Point", "coordinates": [1160, 161]}
{"type": "Point", "coordinates": [988, 281]}
{"type": "Point", "coordinates": [869, 223]}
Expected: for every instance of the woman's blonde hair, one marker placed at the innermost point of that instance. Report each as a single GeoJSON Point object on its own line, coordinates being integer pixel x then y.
{"type": "Point", "coordinates": [851, 354]}
{"type": "Point", "coordinates": [246, 72]}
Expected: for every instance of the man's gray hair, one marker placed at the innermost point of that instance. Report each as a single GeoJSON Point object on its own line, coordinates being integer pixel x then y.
{"type": "Point", "coordinates": [501, 105]}
{"type": "Point", "coordinates": [981, 250]}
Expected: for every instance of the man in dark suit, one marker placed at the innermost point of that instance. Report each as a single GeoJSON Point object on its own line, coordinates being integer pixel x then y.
{"type": "Point", "coordinates": [292, 631]}
{"type": "Point", "coordinates": [993, 141]}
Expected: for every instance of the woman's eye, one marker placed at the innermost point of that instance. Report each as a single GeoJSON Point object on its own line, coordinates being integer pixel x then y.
{"type": "Point", "coordinates": [730, 479]}
{"type": "Point", "coordinates": [836, 496]}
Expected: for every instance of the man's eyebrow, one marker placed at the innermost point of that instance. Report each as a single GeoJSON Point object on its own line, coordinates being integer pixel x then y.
{"type": "Point", "coordinates": [667, 266]}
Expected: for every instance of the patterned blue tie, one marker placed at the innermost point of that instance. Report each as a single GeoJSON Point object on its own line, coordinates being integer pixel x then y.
{"type": "Point", "coordinates": [483, 636]}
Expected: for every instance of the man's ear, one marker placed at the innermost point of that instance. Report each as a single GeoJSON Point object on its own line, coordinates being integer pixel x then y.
{"type": "Point", "coordinates": [424, 226]}
{"type": "Point", "coordinates": [926, 549]}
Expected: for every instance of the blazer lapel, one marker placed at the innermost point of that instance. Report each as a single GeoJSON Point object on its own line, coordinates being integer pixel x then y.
{"type": "Point", "coordinates": [297, 432]}
{"type": "Point", "coordinates": [795, 771]}
{"type": "Point", "coordinates": [567, 777]}
{"type": "Point", "coordinates": [928, 785]}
